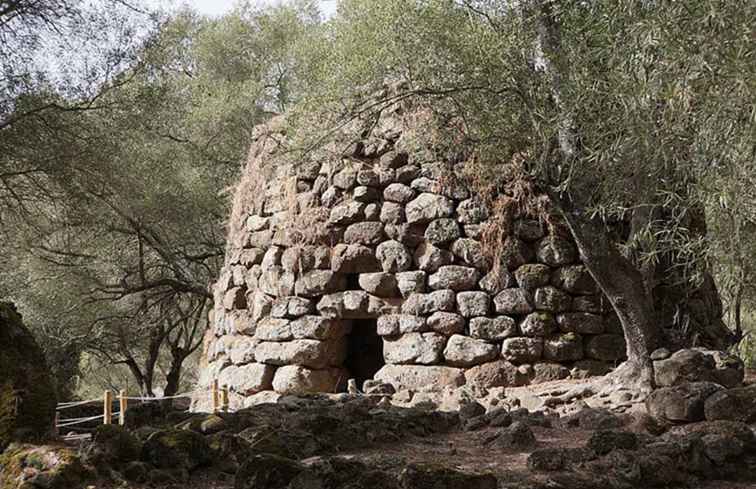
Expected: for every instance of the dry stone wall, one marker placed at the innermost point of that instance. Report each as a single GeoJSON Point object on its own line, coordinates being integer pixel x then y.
{"type": "Point", "coordinates": [376, 241]}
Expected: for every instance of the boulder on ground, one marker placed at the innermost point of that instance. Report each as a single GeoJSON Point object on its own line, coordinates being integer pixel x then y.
{"type": "Point", "coordinates": [683, 403]}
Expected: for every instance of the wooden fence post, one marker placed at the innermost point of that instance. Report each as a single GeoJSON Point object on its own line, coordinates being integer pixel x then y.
{"type": "Point", "coordinates": [123, 405]}
{"type": "Point", "coordinates": [215, 396]}
{"type": "Point", "coordinates": [107, 407]}
{"type": "Point", "coordinates": [224, 398]}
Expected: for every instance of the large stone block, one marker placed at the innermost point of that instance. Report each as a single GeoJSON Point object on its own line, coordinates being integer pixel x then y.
{"type": "Point", "coordinates": [454, 277]}
{"type": "Point", "coordinates": [410, 282]}
{"type": "Point", "coordinates": [421, 378]}
{"type": "Point", "coordinates": [396, 324]}
{"type": "Point", "coordinates": [552, 299]}
{"type": "Point", "coordinates": [522, 350]}
{"type": "Point", "coordinates": [353, 304]}
{"type": "Point", "coordinates": [248, 379]}
{"type": "Point", "coordinates": [513, 301]}
{"type": "Point", "coordinates": [399, 193]}
{"type": "Point", "coordinates": [575, 279]}
{"type": "Point", "coordinates": [496, 374]}
{"type": "Point", "coordinates": [427, 207]}
{"type": "Point", "coordinates": [425, 304]}
{"type": "Point", "coordinates": [471, 253]}
{"type": "Point", "coordinates": [353, 258]}
{"type": "Point", "coordinates": [380, 284]}
{"type": "Point", "coordinates": [463, 351]}
{"type": "Point", "coordinates": [313, 354]}
{"type": "Point", "coordinates": [472, 211]}
{"type": "Point", "coordinates": [493, 329]}
{"type": "Point", "coordinates": [532, 275]}
{"type": "Point", "coordinates": [497, 280]}
{"type": "Point", "coordinates": [430, 258]}
{"type": "Point", "coordinates": [473, 303]}
{"type": "Point", "coordinates": [365, 233]}
{"type": "Point", "coordinates": [242, 350]}
{"type": "Point", "coordinates": [392, 213]}
{"type": "Point", "coordinates": [318, 282]}
{"type": "Point", "coordinates": [515, 253]}
{"type": "Point", "coordinates": [441, 232]}
{"type": "Point", "coordinates": [538, 324]}
{"type": "Point", "coordinates": [272, 329]}
{"type": "Point", "coordinates": [291, 307]}
{"type": "Point", "coordinates": [563, 348]}
{"type": "Point", "coordinates": [347, 213]}
{"type": "Point", "coordinates": [318, 328]}
{"type": "Point", "coordinates": [277, 282]}
{"type": "Point", "coordinates": [446, 323]}
{"type": "Point", "coordinates": [414, 348]}
{"type": "Point", "coordinates": [555, 251]}
{"type": "Point", "coordinates": [581, 322]}
{"type": "Point", "coordinates": [297, 380]}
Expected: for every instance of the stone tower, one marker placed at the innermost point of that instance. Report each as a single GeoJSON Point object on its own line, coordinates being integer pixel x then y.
{"type": "Point", "coordinates": [369, 263]}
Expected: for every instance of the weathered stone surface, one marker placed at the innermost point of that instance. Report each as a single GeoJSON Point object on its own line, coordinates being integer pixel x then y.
{"type": "Point", "coordinates": [472, 211]}
{"type": "Point", "coordinates": [380, 284]}
{"type": "Point", "coordinates": [473, 303]}
{"type": "Point", "coordinates": [318, 282]}
{"type": "Point", "coordinates": [394, 159]}
{"type": "Point", "coordinates": [593, 304]}
{"type": "Point", "coordinates": [532, 275]}
{"type": "Point", "coordinates": [393, 256]}
{"type": "Point", "coordinates": [425, 304]}
{"type": "Point", "coordinates": [272, 257]}
{"type": "Point", "coordinates": [430, 258]}
{"type": "Point", "coordinates": [353, 258]}
{"type": "Point", "coordinates": [259, 307]}
{"type": "Point", "coordinates": [407, 173]}
{"type": "Point", "coordinates": [681, 403]}
{"type": "Point", "coordinates": [353, 304]}
{"type": "Point", "coordinates": [563, 348]}
{"type": "Point", "coordinates": [409, 235]}
{"type": "Point", "coordinates": [291, 307]}
{"type": "Point", "coordinates": [453, 277]}
{"type": "Point", "coordinates": [399, 193]}
{"type": "Point", "coordinates": [421, 378]}
{"type": "Point", "coordinates": [347, 213]}
{"type": "Point", "coordinates": [463, 351]}
{"type": "Point", "coordinates": [684, 366]}
{"type": "Point", "coordinates": [367, 177]}
{"type": "Point", "coordinates": [581, 322]}
{"type": "Point", "coordinates": [497, 280]}
{"type": "Point", "coordinates": [493, 329]}
{"type": "Point", "coordinates": [442, 231]}
{"type": "Point", "coordinates": [242, 350]}
{"type": "Point", "coordinates": [248, 379]}
{"type": "Point", "coordinates": [318, 328]}
{"type": "Point", "coordinates": [446, 323]}
{"type": "Point", "coordinates": [313, 354]}
{"type": "Point", "coordinates": [427, 207]}
{"type": "Point", "coordinates": [471, 253]}
{"type": "Point", "coordinates": [590, 368]}
{"type": "Point", "coordinates": [555, 251]}
{"type": "Point", "coordinates": [251, 256]}
{"type": "Point", "coordinates": [410, 282]}
{"type": "Point", "coordinates": [257, 223]}
{"type": "Point", "coordinates": [277, 282]}
{"type": "Point", "coordinates": [552, 299]}
{"type": "Point", "coordinates": [513, 301]}
{"type": "Point", "coordinates": [332, 196]}
{"type": "Point", "coordinates": [606, 347]}
{"type": "Point", "coordinates": [738, 404]}
{"type": "Point", "coordinates": [235, 299]}
{"type": "Point", "coordinates": [414, 348]}
{"type": "Point", "coordinates": [27, 394]}
{"type": "Point", "coordinates": [259, 239]}
{"type": "Point", "coordinates": [373, 211]}
{"type": "Point", "coordinates": [522, 350]}
{"type": "Point", "coordinates": [396, 324]}
{"type": "Point", "coordinates": [538, 324]}
{"type": "Point", "coordinates": [297, 380]}
{"type": "Point", "coordinates": [392, 213]}
{"type": "Point", "coordinates": [346, 178]}
{"type": "Point", "coordinates": [500, 373]}
{"type": "Point", "coordinates": [529, 229]}
{"type": "Point", "coordinates": [272, 329]}
{"type": "Point", "coordinates": [730, 370]}
{"type": "Point", "coordinates": [366, 194]}
{"type": "Point", "coordinates": [366, 233]}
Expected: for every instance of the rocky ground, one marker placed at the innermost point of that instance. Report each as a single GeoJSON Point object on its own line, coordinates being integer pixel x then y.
{"type": "Point", "coordinates": [364, 441]}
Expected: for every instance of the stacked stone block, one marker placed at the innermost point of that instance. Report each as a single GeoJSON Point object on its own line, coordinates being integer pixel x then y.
{"type": "Point", "coordinates": [402, 245]}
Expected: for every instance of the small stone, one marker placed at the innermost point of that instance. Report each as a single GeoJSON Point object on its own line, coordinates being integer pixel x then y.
{"type": "Point", "coordinates": [472, 211]}
{"type": "Point", "coordinates": [394, 159]}
{"type": "Point", "coordinates": [425, 304]}
{"type": "Point", "coordinates": [442, 231]}
{"type": "Point", "coordinates": [581, 322]}
{"type": "Point", "coordinates": [471, 304]}
{"type": "Point", "coordinates": [409, 235]}
{"type": "Point", "coordinates": [500, 373]}
{"type": "Point", "coordinates": [407, 173]}
{"type": "Point", "coordinates": [546, 372]}
{"type": "Point", "coordinates": [257, 223]}
{"type": "Point", "coordinates": [513, 301]}
{"type": "Point", "coordinates": [497, 280]}
{"type": "Point", "coordinates": [471, 253]}
{"type": "Point", "coordinates": [392, 213]}
{"type": "Point", "coordinates": [515, 253]}
{"type": "Point", "coordinates": [660, 354]}
{"type": "Point", "coordinates": [493, 329]}
{"type": "Point", "coordinates": [291, 307]}
{"type": "Point", "coordinates": [367, 177]}
{"type": "Point", "coordinates": [393, 256]}
{"type": "Point", "coordinates": [348, 213]}
{"type": "Point", "coordinates": [366, 194]}
{"type": "Point", "coordinates": [575, 279]}
{"type": "Point", "coordinates": [446, 323]}
{"type": "Point", "coordinates": [345, 179]}
{"type": "Point", "coordinates": [318, 282]}
{"type": "Point", "coordinates": [563, 348]}
{"type": "Point", "coordinates": [353, 258]}
{"type": "Point", "coordinates": [373, 211]}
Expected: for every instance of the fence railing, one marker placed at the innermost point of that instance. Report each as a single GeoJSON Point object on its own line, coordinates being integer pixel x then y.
{"type": "Point", "coordinates": [219, 397]}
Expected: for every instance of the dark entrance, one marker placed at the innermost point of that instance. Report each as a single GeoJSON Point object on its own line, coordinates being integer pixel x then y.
{"type": "Point", "coordinates": [364, 350]}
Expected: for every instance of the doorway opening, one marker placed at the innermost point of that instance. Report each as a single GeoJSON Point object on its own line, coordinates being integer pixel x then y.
{"type": "Point", "coordinates": [364, 350]}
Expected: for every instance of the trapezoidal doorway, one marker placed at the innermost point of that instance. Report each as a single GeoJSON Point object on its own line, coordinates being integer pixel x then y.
{"type": "Point", "coordinates": [364, 350]}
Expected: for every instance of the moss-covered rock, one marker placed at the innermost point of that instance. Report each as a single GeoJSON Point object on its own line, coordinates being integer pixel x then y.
{"type": "Point", "coordinates": [27, 395]}
{"type": "Point", "coordinates": [113, 445]}
{"type": "Point", "coordinates": [52, 467]}
{"type": "Point", "coordinates": [176, 450]}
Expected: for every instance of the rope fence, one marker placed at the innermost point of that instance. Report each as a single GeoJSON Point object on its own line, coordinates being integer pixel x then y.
{"type": "Point", "coordinates": [219, 397]}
